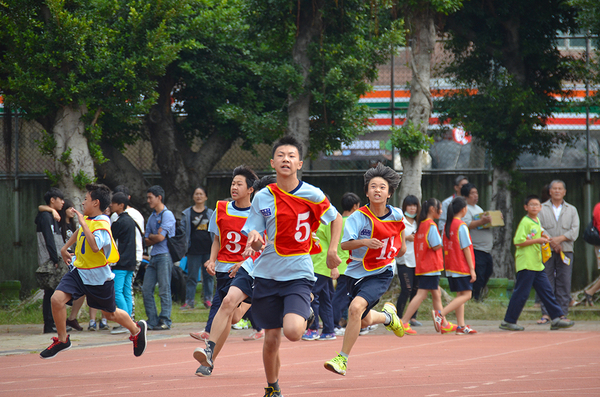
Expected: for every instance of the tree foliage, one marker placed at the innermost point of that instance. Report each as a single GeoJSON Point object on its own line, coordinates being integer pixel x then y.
{"type": "Point", "coordinates": [506, 51]}
{"type": "Point", "coordinates": [66, 63]}
{"type": "Point", "coordinates": [354, 37]}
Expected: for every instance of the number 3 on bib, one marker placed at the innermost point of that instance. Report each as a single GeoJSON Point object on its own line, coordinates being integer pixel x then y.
{"type": "Point", "coordinates": [303, 228]}
{"type": "Point", "coordinates": [234, 238]}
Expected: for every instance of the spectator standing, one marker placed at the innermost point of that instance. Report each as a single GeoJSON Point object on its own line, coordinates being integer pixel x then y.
{"type": "Point", "coordinates": [49, 241]}
{"type": "Point", "coordinates": [530, 271]}
{"type": "Point", "coordinates": [560, 220]}
{"type": "Point", "coordinates": [124, 231]}
{"type": "Point", "coordinates": [459, 182]}
{"type": "Point", "coordinates": [68, 226]}
{"type": "Point", "coordinates": [195, 221]}
{"type": "Point", "coordinates": [406, 264]}
{"type": "Point", "coordinates": [161, 225]}
{"type": "Point", "coordinates": [482, 239]}
{"type": "Point", "coordinates": [139, 235]}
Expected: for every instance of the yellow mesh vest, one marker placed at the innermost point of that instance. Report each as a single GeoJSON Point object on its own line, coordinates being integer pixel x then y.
{"type": "Point", "coordinates": [85, 257]}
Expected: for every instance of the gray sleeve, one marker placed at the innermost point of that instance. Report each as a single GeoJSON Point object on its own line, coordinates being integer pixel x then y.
{"type": "Point", "coordinates": [573, 232]}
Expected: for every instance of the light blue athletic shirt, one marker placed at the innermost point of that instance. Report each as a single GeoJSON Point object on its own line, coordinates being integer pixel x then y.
{"type": "Point", "coordinates": [270, 264]}
{"type": "Point", "coordinates": [433, 239]}
{"type": "Point", "coordinates": [464, 238]}
{"type": "Point", "coordinates": [98, 275]}
{"type": "Point", "coordinates": [212, 227]}
{"type": "Point", "coordinates": [358, 227]}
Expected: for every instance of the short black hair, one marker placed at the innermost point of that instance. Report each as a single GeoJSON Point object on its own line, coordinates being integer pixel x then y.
{"type": "Point", "coordinates": [121, 198]}
{"type": "Point", "coordinates": [263, 182]}
{"type": "Point", "coordinates": [459, 179]}
{"type": "Point", "coordinates": [287, 141]}
{"type": "Point", "coordinates": [99, 192]}
{"type": "Point", "coordinates": [349, 200]}
{"type": "Point", "coordinates": [53, 193]}
{"type": "Point", "coordinates": [157, 190]}
{"type": "Point", "coordinates": [381, 171]}
{"type": "Point", "coordinates": [531, 197]}
{"type": "Point", "coordinates": [411, 200]}
{"type": "Point", "coordinates": [246, 172]}
{"type": "Point", "coordinates": [122, 189]}
{"type": "Point", "coordinates": [466, 189]}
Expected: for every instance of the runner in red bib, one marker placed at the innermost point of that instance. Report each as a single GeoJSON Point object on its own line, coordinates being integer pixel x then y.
{"type": "Point", "coordinates": [460, 264]}
{"type": "Point", "coordinates": [429, 264]}
{"type": "Point", "coordinates": [373, 235]}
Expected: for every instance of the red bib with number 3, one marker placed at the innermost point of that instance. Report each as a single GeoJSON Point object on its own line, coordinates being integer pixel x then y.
{"type": "Point", "coordinates": [386, 231]}
{"type": "Point", "coordinates": [233, 242]}
{"type": "Point", "coordinates": [296, 218]}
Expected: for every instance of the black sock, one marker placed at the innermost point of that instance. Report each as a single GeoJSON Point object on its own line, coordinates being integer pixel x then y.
{"type": "Point", "coordinates": [275, 385]}
{"type": "Point", "coordinates": [210, 344]}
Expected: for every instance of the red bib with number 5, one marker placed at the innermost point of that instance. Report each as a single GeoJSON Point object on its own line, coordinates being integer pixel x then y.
{"type": "Point", "coordinates": [389, 233]}
{"type": "Point", "coordinates": [233, 242]}
{"type": "Point", "coordinates": [296, 218]}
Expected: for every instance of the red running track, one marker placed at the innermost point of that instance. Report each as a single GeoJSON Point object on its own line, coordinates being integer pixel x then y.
{"type": "Point", "coordinates": [549, 363]}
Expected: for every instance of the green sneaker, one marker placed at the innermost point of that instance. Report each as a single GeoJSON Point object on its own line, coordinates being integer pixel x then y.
{"type": "Point", "coordinates": [337, 364]}
{"type": "Point", "coordinates": [396, 324]}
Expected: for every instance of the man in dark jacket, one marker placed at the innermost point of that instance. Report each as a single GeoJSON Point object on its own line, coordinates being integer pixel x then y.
{"type": "Point", "coordinates": [49, 241]}
{"type": "Point", "coordinates": [124, 231]}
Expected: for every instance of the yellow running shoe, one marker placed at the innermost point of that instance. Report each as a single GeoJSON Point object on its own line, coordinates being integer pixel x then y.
{"type": "Point", "coordinates": [396, 324]}
{"type": "Point", "coordinates": [338, 364]}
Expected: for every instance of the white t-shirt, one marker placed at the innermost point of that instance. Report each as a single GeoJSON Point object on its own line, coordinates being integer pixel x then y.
{"type": "Point", "coordinates": [408, 258]}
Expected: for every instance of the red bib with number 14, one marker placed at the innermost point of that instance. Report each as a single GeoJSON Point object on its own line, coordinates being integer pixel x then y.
{"type": "Point", "coordinates": [296, 218]}
{"type": "Point", "coordinates": [386, 231]}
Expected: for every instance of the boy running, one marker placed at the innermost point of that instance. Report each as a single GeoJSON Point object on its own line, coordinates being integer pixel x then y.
{"type": "Point", "coordinates": [374, 235]}
{"type": "Point", "coordinates": [234, 283]}
{"type": "Point", "coordinates": [90, 274]}
{"type": "Point", "coordinates": [289, 211]}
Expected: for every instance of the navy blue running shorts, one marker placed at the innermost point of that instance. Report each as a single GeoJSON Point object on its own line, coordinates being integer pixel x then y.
{"type": "Point", "coordinates": [272, 300]}
{"type": "Point", "coordinates": [429, 282]}
{"type": "Point", "coordinates": [244, 282]}
{"type": "Point", "coordinates": [223, 284]}
{"type": "Point", "coordinates": [370, 288]}
{"type": "Point", "coordinates": [458, 284]}
{"type": "Point", "coordinates": [101, 297]}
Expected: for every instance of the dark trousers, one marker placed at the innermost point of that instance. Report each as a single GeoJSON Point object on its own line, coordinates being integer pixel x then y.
{"type": "Point", "coordinates": [408, 287]}
{"type": "Point", "coordinates": [47, 310]}
{"type": "Point", "coordinates": [526, 279]}
{"type": "Point", "coordinates": [559, 276]}
{"type": "Point", "coordinates": [341, 299]}
{"type": "Point", "coordinates": [222, 278]}
{"type": "Point", "coordinates": [484, 266]}
{"type": "Point", "coordinates": [321, 304]}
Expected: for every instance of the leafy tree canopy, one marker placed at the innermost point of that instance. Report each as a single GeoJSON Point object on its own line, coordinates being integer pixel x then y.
{"type": "Point", "coordinates": [507, 51]}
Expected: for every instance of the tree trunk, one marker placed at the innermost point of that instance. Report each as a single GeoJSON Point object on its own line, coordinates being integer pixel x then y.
{"type": "Point", "coordinates": [504, 263]}
{"type": "Point", "coordinates": [412, 169]}
{"type": "Point", "coordinates": [68, 132]}
{"type": "Point", "coordinates": [120, 171]}
{"type": "Point", "coordinates": [422, 44]}
{"type": "Point", "coordinates": [309, 26]}
{"type": "Point", "coordinates": [181, 169]}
